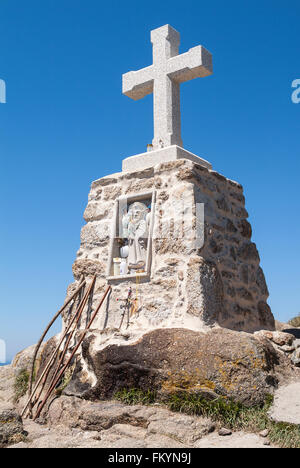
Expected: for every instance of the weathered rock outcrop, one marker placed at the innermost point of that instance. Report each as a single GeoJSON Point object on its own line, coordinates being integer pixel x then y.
{"type": "Point", "coordinates": [220, 362]}
{"type": "Point", "coordinates": [23, 359]}
{"type": "Point", "coordinates": [11, 426]}
{"type": "Point", "coordinates": [101, 416]}
{"type": "Point", "coordinates": [284, 341]}
{"type": "Point", "coordinates": [75, 423]}
{"type": "Point", "coordinates": [8, 374]}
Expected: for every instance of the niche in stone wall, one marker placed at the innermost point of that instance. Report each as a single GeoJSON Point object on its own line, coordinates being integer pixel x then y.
{"type": "Point", "coordinates": [130, 246]}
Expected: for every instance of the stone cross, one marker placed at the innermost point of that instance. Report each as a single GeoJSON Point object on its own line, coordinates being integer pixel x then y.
{"type": "Point", "coordinates": [163, 79]}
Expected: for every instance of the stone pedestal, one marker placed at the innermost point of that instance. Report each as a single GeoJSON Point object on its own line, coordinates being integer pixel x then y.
{"type": "Point", "coordinates": [200, 272]}
{"type": "Point", "coordinates": [151, 158]}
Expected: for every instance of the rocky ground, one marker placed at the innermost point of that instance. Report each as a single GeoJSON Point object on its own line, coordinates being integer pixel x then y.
{"type": "Point", "coordinates": [115, 425]}
{"type": "Point", "coordinates": [286, 405]}
{"type": "Point", "coordinates": [76, 423]}
{"type": "Point", "coordinates": [127, 436]}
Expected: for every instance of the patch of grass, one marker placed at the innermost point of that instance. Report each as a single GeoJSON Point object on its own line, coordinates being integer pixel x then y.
{"type": "Point", "coordinates": [21, 384]}
{"type": "Point", "coordinates": [135, 396]}
{"type": "Point", "coordinates": [225, 411]}
{"type": "Point", "coordinates": [230, 414]}
{"type": "Point", "coordinates": [284, 434]}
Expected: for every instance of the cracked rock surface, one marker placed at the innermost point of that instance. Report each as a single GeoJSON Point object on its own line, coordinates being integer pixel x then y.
{"type": "Point", "coordinates": [74, 423]}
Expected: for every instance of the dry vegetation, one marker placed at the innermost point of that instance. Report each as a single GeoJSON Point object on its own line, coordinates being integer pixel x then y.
{"type": "Point", "coordinates": [230, 414]}
{"type": "Point", "coordinates": [295, 322]}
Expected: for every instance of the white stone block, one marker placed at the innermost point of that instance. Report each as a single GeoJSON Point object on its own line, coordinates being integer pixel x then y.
{"type": "Point", "coordinates": [171, 153]}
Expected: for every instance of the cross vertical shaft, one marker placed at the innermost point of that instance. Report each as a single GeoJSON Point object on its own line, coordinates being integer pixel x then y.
{"type": "Point", "coordinates": [166, 93]}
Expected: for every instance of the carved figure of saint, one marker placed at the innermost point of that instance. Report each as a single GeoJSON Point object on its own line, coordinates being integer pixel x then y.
{"type": "Point", "coordinates": [136, 228]}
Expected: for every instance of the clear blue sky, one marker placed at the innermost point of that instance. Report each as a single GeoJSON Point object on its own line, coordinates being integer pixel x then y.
{"type": "Point", "coordinates": [66, 124]}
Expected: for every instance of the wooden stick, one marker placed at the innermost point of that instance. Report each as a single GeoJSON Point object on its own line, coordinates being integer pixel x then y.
{"type": "Point", "coordinates": [46, 331]}
{"type": "Point", "coordinates": [66, 347]}
{"type": "Point", "coordinates": [50, 362]}
{"type": "Point", "coordinates": [72, 355]}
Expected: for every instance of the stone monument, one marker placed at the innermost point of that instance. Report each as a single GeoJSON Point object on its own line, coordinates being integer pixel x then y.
{"type": "Point", "coordinates": [168, 228]}
{"type": "Point", "coordinates": [163, 79]}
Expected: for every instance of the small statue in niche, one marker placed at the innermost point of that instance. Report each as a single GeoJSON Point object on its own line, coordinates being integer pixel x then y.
{"type": "Point", "coordinates": [136, 229]}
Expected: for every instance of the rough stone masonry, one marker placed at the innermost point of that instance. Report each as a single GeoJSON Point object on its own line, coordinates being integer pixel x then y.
{"type": "Point", "coordinates": [201, 268]}
{"type": "Point", "coordinates": [220, 283]}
